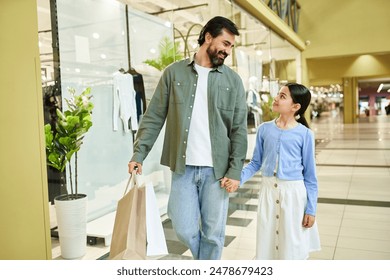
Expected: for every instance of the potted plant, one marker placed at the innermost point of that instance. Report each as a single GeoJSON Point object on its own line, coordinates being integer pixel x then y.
{"type": "Point", "coordinates": [169, 52]}
{"type": "Point", "coordinates": [62, 144]}
{"type": "Point", "coordinates": [266, 107]}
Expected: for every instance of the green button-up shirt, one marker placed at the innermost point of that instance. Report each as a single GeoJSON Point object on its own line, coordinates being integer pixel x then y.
{"type": "Point", "coordinates": [173, 102]}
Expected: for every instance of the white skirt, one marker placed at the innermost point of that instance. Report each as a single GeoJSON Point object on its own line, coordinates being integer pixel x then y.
{"type": "Point", "coordinates": [280, 234]}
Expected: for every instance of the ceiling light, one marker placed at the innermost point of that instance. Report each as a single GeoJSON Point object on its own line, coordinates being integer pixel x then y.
{"type": "Point", "coordinates": [380, 88]}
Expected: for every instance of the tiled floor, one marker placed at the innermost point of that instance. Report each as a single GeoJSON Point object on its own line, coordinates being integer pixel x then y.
{"type": "Point", "coordinates": [353, 164]}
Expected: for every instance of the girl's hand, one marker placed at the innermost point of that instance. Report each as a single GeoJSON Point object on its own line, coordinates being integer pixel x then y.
{"type": "Point", "coordinates": [308, 221]}
{"type": "Point", "coordinates": [230, 185]}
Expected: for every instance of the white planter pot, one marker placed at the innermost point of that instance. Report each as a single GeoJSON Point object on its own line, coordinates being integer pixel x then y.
{"type": "Point", "coordinates": [72, 225]}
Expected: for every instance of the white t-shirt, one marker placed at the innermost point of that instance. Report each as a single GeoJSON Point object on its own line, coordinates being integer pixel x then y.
{"type": "Point", "coordinates": [199, 144]}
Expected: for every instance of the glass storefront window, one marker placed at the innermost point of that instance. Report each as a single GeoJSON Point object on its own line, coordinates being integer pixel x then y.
{"type": "Point", "coordinates": [93, 46]}
{"type": "Point", "coordinates": [144, 47]}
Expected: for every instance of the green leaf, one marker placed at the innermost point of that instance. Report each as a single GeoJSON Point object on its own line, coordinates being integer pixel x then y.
{"type": "Point", "coordinates": [70, 128]}
{"type": "Point", "coordinates": [169, 52]}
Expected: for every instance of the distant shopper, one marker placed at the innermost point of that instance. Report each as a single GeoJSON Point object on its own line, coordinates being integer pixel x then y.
{"type": "Point", "coordinates": [284, 153]}
{"type": "Point", "coordinates": [203, 103]}
{"type": "Point", "coordinates": [387, 109]}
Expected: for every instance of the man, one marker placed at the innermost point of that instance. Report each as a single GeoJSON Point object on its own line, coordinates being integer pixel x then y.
{"type": "Point", "coordinates": [203, 103]}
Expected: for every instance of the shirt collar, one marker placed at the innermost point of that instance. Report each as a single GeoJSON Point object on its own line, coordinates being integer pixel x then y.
{"type": "Point", "coordinates": [191, 61]}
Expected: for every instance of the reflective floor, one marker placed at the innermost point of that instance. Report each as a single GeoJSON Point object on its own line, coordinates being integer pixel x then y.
{"type": "Point", "coordinates": [353, 165]}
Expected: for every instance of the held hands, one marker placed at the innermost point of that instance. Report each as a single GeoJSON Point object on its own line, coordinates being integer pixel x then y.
{"type": "Point", "coordinates": [135, 166]}
{"type": "Point", "coordinates": [230, 185]}
{"type": "Point", "coordinates": [308, 221]}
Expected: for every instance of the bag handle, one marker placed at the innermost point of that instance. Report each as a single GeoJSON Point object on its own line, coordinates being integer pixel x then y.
{"type": "Point", "coordinates": [131, 181]}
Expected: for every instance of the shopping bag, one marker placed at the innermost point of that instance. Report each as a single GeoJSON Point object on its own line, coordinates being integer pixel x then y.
{"type": "Point", "coordinates": [155, 237]}
{"type": "Point", "coordinates": [129, 233]}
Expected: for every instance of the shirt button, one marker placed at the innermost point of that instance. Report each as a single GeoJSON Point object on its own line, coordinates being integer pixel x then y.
{"type": "Point", "coordinates": [193, 95]}
{"type": "Point", "coordinates": [276, 185]}
{"type": "Point", "coordinates": [277, 232]}
{"type": "Point", "coordinates": [185, 142]}
{"type": "Point", "coordinates": [277, 248]}
{"type": "Point", "coordinates": [277, 216]}
{"type": "Point", "coordinates": [191, 106]}
{"type": "Point", "coordinates": [186, 130]}
{"type": "Point", "coordinates": [274, 173]}
{"type": "Point", "coordinates": [189, 117]}
{"type": "Point", "coordinates": [194, 85]}
{"type": "Point", "coordinates": [277, 201]}
{"type": "Point", "coordinates": [184, 156]}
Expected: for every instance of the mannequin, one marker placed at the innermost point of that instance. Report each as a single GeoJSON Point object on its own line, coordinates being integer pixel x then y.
{"type": "Point", "coordinates": [254, 101]}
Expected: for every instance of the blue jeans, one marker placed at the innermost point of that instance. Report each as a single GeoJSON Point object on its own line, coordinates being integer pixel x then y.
{"type": "Point", "coordinates": [197, 207]}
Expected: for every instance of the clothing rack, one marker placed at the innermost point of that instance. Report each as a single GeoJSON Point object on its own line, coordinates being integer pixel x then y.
{"type": "Point", "coordinates": [128, 37]}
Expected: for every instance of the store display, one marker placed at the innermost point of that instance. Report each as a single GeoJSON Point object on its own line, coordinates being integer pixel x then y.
{"type": "Point", "coordinates": [124, 102]}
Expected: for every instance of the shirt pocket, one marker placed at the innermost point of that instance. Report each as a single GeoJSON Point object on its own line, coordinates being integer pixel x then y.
{"type": "Point", "coordinates": [226, 98]}
{"type": "Point", "coordinates": [178, 90]}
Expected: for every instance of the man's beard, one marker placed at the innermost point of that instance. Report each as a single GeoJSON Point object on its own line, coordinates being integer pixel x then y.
{"type": "Point", "coordinates": [214, 57]}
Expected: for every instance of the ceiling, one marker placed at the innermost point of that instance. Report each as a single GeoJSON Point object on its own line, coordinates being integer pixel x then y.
{"type": "Point", "coordinates": [191, 15]}
{"type": "Point", "coordinates": [374, 84]}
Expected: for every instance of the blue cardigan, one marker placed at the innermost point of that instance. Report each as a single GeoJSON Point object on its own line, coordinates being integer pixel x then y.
{"type": "Point", "coordinates": [296, 161]}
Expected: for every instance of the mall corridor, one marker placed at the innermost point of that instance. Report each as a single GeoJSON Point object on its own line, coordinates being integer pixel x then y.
{"type": "Point", "coordinates": [353, 164]}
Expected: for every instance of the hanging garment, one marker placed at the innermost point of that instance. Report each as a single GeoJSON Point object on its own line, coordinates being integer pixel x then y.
{"type": "Point", "coordinates": [140, 92]}
{"type": "Point", "coordinates": [124, 102]}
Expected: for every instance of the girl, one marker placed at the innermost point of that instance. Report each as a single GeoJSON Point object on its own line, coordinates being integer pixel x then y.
{"type": "Point", "coordinates": [284, 153]}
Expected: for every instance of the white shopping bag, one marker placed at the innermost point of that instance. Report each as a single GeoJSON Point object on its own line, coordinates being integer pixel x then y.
{"type": "Point", "coordinates": [155, 237]}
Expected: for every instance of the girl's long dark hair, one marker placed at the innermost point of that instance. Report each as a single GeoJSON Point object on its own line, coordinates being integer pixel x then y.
{"type": "Point", "coordinates": [300, 94]}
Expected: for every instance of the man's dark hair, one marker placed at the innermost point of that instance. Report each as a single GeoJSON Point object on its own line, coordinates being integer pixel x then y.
{"type": "Point", "coordinates": [215, 25]}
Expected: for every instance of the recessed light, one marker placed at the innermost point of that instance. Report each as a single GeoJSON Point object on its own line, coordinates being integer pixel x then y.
{"type": "Point", "coordinates": [380, 88]}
